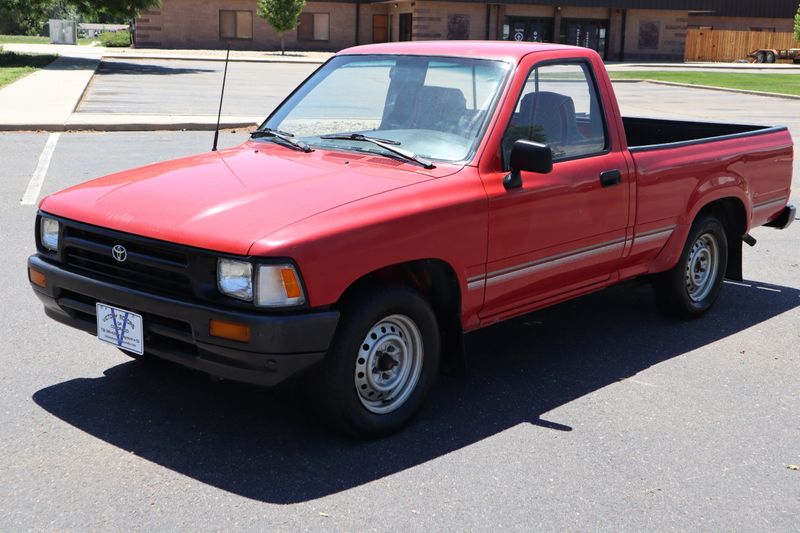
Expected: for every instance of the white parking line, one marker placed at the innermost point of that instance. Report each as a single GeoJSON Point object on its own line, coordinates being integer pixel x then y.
{"type": "Point", "coordinates": [737, 283]}
{"type": "Point", "coordinates": [37, 180]}
{"type": "Point", "coordinates": [767, 288]}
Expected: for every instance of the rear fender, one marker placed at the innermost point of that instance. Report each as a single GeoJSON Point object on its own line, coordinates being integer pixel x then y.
{"type": "Point", "coordinates": [705, 195]}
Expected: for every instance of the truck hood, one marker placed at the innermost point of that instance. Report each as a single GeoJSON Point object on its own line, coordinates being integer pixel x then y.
{"type": "Point", "coordinates": [225, 201]}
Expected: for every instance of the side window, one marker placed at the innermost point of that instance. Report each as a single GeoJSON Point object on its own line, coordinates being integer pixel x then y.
{"type": "Point", "coordinates": [559, 107]}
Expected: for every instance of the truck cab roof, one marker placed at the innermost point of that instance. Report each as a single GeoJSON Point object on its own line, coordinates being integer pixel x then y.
{"type": "Point", "coordinates": [510, 51]}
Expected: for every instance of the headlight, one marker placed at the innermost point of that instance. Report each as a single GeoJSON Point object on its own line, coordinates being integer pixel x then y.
{"type": "Point", "coordinates": [48, 233]}
{"type": "Point", "coordinates": [235, 278]}
{"type": "Point", "coordinates": [278, 286]}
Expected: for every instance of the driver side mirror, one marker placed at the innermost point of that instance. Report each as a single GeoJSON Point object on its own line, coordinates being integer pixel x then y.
{"type": "Point", "coordinates": [528, 156]}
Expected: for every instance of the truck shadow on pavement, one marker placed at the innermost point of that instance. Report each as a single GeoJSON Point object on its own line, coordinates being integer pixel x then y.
{"type": "Point", "coordinates": [266, 444]}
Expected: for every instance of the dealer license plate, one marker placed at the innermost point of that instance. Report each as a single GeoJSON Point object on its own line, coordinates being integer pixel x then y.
{"type": "Point", "coordinates": [121, 328]}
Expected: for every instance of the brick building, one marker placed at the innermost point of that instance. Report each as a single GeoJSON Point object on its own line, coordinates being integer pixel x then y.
{"type": "Point", "coordinates": [618, 29]}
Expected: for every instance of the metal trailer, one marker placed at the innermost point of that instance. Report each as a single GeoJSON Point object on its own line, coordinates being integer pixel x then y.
{"type": "Point", "coordinates": [768, 55]}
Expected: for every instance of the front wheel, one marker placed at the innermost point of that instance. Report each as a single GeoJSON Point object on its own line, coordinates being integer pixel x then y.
{"type": "Point", "coordinates": [692, 286]}
{"type": "Point", "coordinates": [381, 364]}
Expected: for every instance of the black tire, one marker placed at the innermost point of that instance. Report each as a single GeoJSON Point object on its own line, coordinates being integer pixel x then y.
{"type": "Point", "coordinates": [676, 291]}
{"type": "Point", "coordinates": [333, 387]}
{"type": "Point", "coordinates": [770, 57]}
{"type": "Point", "coordinates": [760, 57]}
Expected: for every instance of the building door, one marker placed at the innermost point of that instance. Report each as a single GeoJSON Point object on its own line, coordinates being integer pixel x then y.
{"type": "Point", "coordinates": [589, 33]}
{"type": "Point", "coordinates": [405, 27]}
{"type": "Point", "coordinates": [538, 30]}
{"type": "Point", "coordinates": [380, 28]}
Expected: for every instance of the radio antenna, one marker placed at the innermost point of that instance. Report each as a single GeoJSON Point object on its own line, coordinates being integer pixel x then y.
{"type": "Point", "coordinates": [221, 96]}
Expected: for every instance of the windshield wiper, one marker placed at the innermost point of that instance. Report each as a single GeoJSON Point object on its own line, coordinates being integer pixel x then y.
{"type": "Point", "coordinates": [284, 136]}
{"type": "Point", "coordinates": [386, 144]}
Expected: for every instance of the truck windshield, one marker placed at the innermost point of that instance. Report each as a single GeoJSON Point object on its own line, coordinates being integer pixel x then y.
{"type": "Point", "coordinates": [434, 107]}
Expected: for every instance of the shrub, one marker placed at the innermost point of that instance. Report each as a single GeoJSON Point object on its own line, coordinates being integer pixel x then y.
{"type": "Point", "coordinates": [116, 38]}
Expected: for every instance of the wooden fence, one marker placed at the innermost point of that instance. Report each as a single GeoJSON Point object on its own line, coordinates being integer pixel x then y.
{"type": "Point", "coordinates": [725, 45]}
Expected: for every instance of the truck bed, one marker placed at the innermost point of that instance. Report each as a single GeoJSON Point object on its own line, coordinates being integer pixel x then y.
{"type": "Point", "coordinates": [651, 133]}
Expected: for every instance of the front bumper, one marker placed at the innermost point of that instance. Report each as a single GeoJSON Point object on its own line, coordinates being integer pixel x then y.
{"type": "Point", "coordinates": [178, 330]}
{"type": "Point", "coordinates": [784, 219]}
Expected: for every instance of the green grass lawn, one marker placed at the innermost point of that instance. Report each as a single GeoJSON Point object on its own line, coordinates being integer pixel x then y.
{"type": "Point", "coordinates": [35, 39]}
{"type": "Point", "coordinates": [23, 39]}
{"type": "Point", "coordinates": [772, 83]}
{"type": "Point", "coordinates": [14, 66]}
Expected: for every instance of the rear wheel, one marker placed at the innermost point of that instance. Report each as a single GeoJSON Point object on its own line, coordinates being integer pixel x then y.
{"type": "Point", "coordinates": [381, 364]}
{"type": "Point", "coordinates": [760, 56]}
{"type": "Point", "coordinates": [770, 57]}
{"type": "Point", "coordinates": [692, 286]}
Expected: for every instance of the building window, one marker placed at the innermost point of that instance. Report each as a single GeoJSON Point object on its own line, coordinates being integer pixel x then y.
{"type": "Point", "coordinates": [314, 27]}
{"type": "Point", "coordinates": [235, 24]}
{"type": "Point", "coordinates": [649, 35]}
{"type": "Point", "coordinates": [458, 27]}
{"type": "Point", "coordinates": [528, 29]}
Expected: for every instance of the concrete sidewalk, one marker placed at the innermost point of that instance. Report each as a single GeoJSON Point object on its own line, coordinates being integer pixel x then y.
{"type": "Point", "coordinates": [47, 98]}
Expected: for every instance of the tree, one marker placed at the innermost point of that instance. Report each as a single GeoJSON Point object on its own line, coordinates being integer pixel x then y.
{"type": "Point", "coordinates": [119, 10]}
{"type": "Point", "coordinates": [797, 24]}
{"type": "Point", "coordinates": [29, 16]}
{"type": "Point", "coordinates": [23, 17]}
{"type": "Point", "coordinates": [282, 15]}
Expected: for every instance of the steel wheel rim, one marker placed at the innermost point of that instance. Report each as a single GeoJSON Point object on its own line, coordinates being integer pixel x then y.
{"type": "Point", "coordinates": [702, 267]}
{"type": "Point", "coordinates": [388, 364]}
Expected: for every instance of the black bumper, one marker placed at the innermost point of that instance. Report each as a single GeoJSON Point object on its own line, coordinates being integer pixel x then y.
{"type": "Point", "coordinates": [178, 330]}
{"type": "Point", "coordinates": [785, 219]}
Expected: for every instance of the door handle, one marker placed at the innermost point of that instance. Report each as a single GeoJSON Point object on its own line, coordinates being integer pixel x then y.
{"type": "Point", "coordinates": [610, 177]}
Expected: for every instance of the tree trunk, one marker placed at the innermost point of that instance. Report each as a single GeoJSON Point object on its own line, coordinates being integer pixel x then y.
{"type": "Point", "coordinates": [283, 48]}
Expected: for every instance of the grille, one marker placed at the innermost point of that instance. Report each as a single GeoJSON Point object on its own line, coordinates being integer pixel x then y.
{"type": "Point", "coordinates": [151, 267]}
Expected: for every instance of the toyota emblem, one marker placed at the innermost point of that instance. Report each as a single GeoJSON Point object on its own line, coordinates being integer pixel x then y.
{"type": "Point", "coordinates": [119, 252]}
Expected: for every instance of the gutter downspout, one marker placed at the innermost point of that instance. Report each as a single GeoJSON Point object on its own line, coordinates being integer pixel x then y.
{"type": "Point", "coordinates": [488, 17]}
{"type": "Point", "coordinates": [622, 40]}
{"type": "Point", "coordinates": [358, 20]}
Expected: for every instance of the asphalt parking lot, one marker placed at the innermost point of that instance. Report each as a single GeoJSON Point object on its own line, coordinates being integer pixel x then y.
{"type": "Point", "coordinates": [596, 414]}
{"type": "Point", "coordinates": [188, 87]}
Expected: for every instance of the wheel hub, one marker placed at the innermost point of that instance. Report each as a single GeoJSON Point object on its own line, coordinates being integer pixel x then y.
{"type": "Point", "coordinates": [701, 267]}
{"type": "Point", "coordinates": [388, 364]}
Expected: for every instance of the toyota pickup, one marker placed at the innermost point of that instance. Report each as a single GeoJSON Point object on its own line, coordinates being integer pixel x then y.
{"type": "Point", "coordinates": [402, 195]}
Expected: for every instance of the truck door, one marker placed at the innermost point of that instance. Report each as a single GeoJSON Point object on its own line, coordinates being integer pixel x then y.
{"type": "Point", "coordinates": [563, 231]}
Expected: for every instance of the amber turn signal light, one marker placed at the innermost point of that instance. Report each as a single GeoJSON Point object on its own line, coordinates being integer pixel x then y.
{"type": "Point", "coordinates": [290, 283]}
{"type": "Point", "coordinates": [229, 330]}
{"type": "Point", "coordinates": [37, 278]}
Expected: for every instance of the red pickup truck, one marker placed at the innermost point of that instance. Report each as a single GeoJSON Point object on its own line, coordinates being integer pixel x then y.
{"type": "Point", "coordinates": [402, 195]}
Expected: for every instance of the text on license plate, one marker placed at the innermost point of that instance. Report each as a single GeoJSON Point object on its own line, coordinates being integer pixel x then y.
{"type": "Point", "coordinates": [121, 328]}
